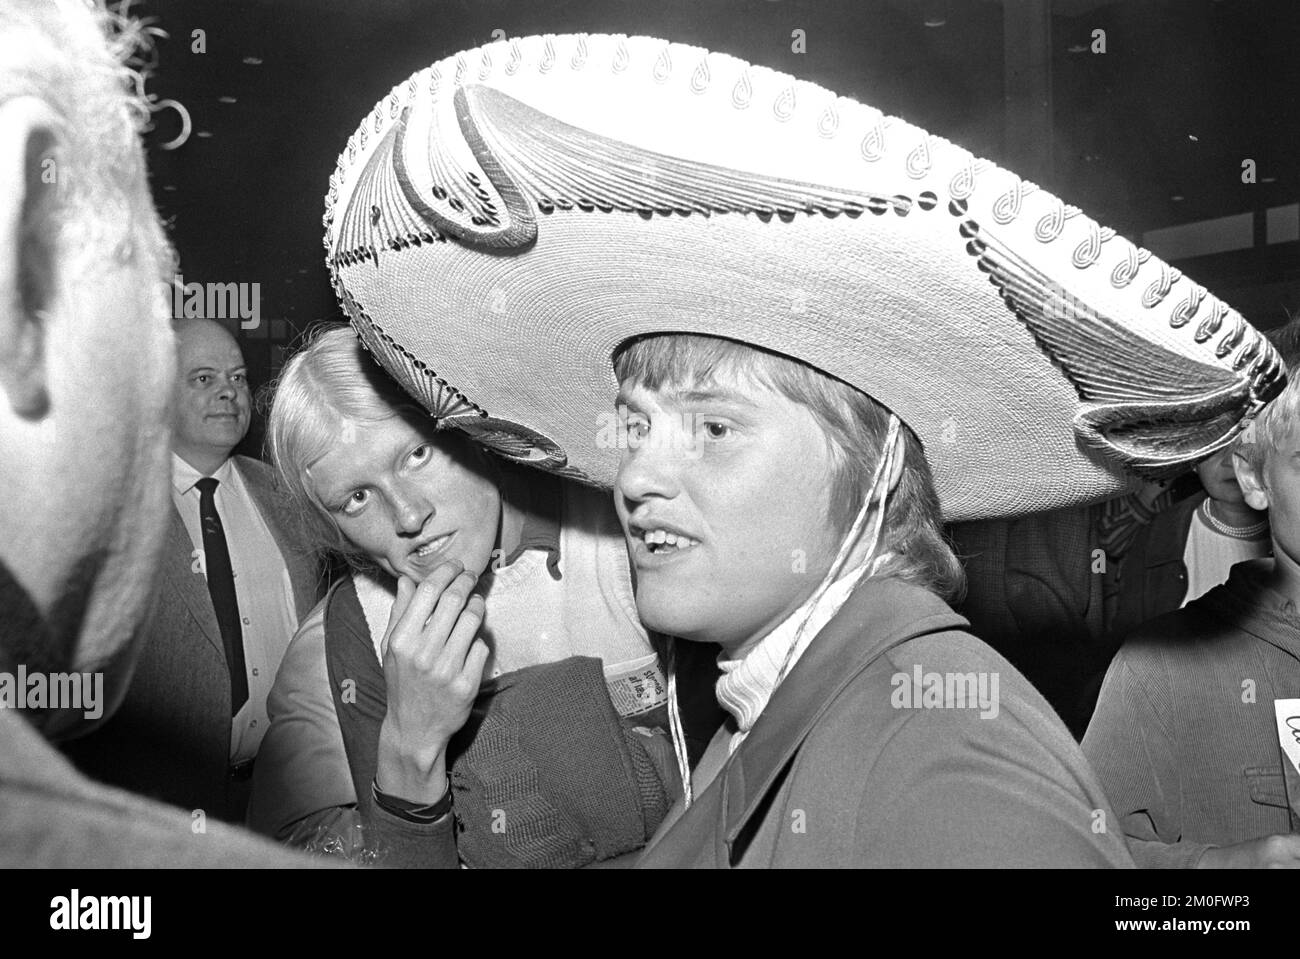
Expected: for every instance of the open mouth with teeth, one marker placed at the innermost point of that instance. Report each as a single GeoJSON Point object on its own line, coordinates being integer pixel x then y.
{"type": "Point", "coordinates": [434, 545]}
{"type": "Point", "coordinates": [660, 541]}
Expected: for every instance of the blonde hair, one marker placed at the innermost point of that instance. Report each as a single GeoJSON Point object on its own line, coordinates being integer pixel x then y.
{"type": "Point", "coordinates": [1273, 424]}
{"type": "Point", "coordinates": [329, 385]}
{"type": "Point", "coordinates": [856, 427]}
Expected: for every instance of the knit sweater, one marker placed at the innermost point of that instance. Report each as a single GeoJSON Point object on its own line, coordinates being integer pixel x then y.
{"type": "Point", "coordinates": [302, 776]}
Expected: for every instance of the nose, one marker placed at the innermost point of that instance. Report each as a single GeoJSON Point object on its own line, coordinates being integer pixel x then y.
{"type": "Point", "coordinates": [650, 472]}
{"type": "Point", "coordinates": [411, 509]}
{"type": "Point", "coordinates": [226, 388]}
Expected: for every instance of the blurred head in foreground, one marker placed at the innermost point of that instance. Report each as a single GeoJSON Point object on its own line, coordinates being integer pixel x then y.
{"type": "Point", "coordinates": [86, 351]}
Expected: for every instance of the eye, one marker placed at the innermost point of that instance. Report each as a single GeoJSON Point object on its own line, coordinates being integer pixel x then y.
{"type": "Point", "coordinates": [420, 455]}
{"type": "Point", "coordinates": [240, 377]}
{"type": "Point", "coordinates": [716, 431]}
{"type": "Point", "coordinates": [355, 503]}
{"type": "Point", "coordinates": [202, 379]}
{"type": "Point", "coordinates": [637, 426]}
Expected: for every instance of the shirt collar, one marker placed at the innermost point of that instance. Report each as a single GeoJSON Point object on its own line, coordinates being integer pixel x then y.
{"type": "Point", "coordinates": [184, 476]}
{"type": "Point", "coordinates": [537, 497]}
{"type": "Point", "coordinates": [748, 681]}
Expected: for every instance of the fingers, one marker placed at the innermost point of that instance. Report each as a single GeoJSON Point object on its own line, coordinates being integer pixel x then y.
{"type": "Point", "coordinates": [450, 605]}
{"type": "Point", "coordinates": [476, 660]}
{"type": "Point", "coordinates": [464, 670]}
{"type": "Point", "coordinates": [405, 591]}
{"type": "Point", "coordinates": [464, 633]}
{"type": "Point", "coordinates": [1281, 851]}
{"type": "Point", "coordinates": [407, 633]}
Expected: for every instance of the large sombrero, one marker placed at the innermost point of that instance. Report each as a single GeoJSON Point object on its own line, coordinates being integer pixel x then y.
{"type": "Point", "coordinates": [507, 218]}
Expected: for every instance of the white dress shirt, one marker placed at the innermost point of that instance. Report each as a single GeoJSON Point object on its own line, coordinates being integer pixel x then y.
{"type": "Point", "coordinates": [262, 588]}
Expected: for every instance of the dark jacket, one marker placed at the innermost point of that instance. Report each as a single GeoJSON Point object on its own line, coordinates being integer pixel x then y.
{"type": "Point", "coordinates": [842, 771]}
{"type": "Point", "coordinates": [1152, 578]}
{"type": "Point", "coordinates": [170, 739]}
{"type": "Point", "coordinates": [51, 817]}
{"type": "Point", "coordinates": [1033, 594]}
{"type": "Point", "coordinates": [1184, 738]}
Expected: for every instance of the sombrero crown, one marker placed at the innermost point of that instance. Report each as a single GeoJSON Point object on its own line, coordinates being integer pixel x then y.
{"type": "Point", "coordinates": [508, 217]}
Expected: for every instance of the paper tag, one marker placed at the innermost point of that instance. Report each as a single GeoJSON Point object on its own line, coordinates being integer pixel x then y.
{"type": "Point", "coordinates": [1288, 737]}
{"type": "Point", "coordinates": [637, 686]}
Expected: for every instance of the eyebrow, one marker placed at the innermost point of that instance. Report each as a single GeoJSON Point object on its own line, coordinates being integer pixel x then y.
{"type": "Point", "coordinates": [333, 499]}
{"type": "Point", "coordinates": [360, 476]}
{"type": "Point", "coordinates": [331, 495]}
{"type": "Point", "coordinates": [714, 395]}
{"type": "Point", "coordinates": [708, 396]}
{"type": "Point", "coordinates": [215, 369]}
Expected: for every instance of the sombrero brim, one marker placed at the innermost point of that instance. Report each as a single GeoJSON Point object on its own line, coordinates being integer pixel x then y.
{"type": "Point", "coordinates": [508, 218]}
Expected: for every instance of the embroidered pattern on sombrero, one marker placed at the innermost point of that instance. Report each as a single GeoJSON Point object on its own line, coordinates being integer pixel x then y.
{"type": "Point", "coordinates": [1153, 409]}
{"type": "Point", "coordinates": [440, 398]}
{"type": "Point", "coordinates": [379, 216]}
{"type": "Point", "coordinates": [506, 135]}
{"type": "Point", "coordinates": [449, 407]}
{"type": "Point", "coordinates": [452, 155]}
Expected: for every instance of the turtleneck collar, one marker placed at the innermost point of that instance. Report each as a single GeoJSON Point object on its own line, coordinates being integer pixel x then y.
{"type": "Point", "coordinates": [748, 680]}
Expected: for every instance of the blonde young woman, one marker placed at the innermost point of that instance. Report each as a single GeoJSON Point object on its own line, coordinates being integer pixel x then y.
{"type": "Point", "coordinates": [479, 678]}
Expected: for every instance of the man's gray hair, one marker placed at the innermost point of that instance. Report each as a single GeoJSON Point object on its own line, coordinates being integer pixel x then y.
{"type": "Point", "coordinates": [83, 61]}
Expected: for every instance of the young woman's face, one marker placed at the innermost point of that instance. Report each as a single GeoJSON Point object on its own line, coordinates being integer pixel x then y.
{"type": "Point", "coordinates": [1218, 478]}
{"type": "Point", "coordinates": [409, 498]}
{"type": "Point", "coordinates": [740, 477]}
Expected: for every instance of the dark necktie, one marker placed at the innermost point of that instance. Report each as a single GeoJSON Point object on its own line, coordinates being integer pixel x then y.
{"type": "Point", "coordinates": [221, 587]}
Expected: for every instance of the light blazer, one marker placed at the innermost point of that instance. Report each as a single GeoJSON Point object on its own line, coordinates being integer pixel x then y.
{"type": "Point", "coordinates": [170, 739]}
{"type": "Point", "coordinates": [841, 771]}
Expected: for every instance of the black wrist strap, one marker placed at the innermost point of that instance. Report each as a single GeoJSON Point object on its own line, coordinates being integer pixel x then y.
{"type": "Point", "coordinates": [422, 813]}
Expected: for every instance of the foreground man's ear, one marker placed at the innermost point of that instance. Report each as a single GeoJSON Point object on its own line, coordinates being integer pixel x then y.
{"type": "Point", "coordinates": [31, 175]}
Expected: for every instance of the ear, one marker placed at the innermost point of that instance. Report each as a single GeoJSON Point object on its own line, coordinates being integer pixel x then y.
{"type": "Point", "coordinates": [31, 174]}
{"type": "Point", "coordinates": [1251, 483]}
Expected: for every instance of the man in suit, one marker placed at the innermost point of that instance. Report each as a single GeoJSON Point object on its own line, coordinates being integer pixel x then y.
{"type": "Point", "coordinates": [86, 371]}
{"type": "Point", "coordinates": [232, 587]}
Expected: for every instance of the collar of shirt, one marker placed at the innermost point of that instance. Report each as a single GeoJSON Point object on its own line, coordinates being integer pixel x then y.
{"type": "Point", "coordinates": [749, 679]}
{"type": "Point", "coordinates": [184, 476]}
{"type": "Point", "coordinates": [537, 497]}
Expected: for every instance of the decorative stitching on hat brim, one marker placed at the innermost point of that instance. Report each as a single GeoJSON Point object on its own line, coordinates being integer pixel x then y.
{"type": "Point", "coordinates": [521, 151]}
{"type": "Point", "coordinates": [452, 409]}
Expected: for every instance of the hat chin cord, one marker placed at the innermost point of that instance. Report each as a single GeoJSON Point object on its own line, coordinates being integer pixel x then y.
{"type": "Point", "coordinates": [878, 496]}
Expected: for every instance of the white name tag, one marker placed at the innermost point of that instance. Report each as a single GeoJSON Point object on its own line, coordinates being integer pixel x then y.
{"type": "Point", "coordinates": [1288, 737]}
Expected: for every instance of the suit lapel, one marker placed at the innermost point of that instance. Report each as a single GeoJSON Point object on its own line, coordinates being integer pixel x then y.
{"type": "Point", "coordinates": [188, 583]}
{"type": "Point", "coordinates": [192, 586]}
{"type": "Point", "coordinates": [879, 615]}
{"type": "Point", "coordinates": [269, 503]}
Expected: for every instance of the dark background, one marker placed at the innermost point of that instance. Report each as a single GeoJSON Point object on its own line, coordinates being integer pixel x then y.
{"type": "Point", "coordinates": [1148, 135]}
